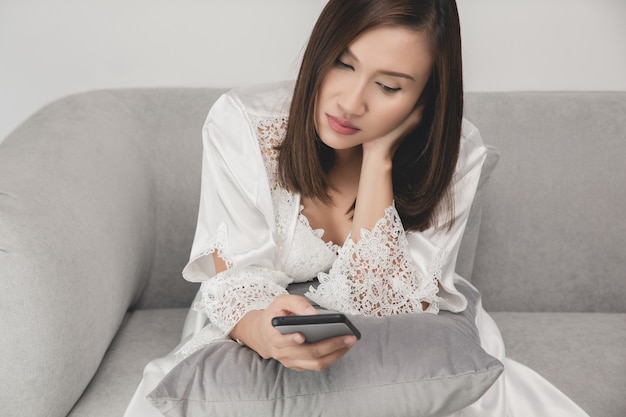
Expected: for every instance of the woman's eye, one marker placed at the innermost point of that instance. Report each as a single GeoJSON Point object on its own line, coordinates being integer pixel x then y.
{"type": "Point", "coordinates": [388, 89]}
{"type": "Point", "coordinates": [342, 64]}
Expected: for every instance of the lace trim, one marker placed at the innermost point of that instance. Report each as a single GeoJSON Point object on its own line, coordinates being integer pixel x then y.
{"type": "Point", "coordinates": [218, 243]}
{"type": "Point", "coordinates": [309, 254]}
{"type": "Point", "coordinates": [318, 233]}
{"type": "Point", "coordinates": [376, 276]}
{"type": "Point", "coordinates": [229, 295]}
{"type": "Point", "coordinates": [271, 134]}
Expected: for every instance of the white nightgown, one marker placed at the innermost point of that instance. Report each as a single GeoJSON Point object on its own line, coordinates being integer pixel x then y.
{"type": "Point", "coordinates": [257, 227]}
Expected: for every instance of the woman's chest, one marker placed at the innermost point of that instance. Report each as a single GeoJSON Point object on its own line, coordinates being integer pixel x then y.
{"type": "Point", "coordinates": [334, 220]}
{"type": "Point", "coordinates": [302, 249]}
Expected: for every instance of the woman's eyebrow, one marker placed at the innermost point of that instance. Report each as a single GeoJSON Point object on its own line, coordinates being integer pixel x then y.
{"type": "Point", "coordinates": [385, 72]}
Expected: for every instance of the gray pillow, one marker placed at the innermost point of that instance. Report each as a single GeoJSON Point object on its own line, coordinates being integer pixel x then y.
{"type": "Point", "coordinates": [404, 365]}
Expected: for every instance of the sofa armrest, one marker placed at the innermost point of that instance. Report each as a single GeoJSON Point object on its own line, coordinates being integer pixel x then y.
{"type": "Point", "coordinates": [76, 246]}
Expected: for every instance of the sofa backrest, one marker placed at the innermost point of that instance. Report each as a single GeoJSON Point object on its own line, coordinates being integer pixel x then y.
{"type": "Point", "coordinates": [553, 233]}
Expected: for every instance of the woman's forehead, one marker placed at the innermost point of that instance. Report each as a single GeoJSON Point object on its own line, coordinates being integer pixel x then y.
{"type": "Point", "coordinates": [393, 48]}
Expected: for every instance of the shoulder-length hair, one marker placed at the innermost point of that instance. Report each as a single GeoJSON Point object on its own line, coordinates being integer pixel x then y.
{"type": "Point", "coordinates": [424, 164]}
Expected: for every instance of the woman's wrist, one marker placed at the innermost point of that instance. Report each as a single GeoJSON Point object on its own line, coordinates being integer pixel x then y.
{"type": "Point", "coordinates": [244, 330]}
{"type": "Point", "coordinates": [375, 192]}
{"type": "Point", "coordinates": [379, 160]}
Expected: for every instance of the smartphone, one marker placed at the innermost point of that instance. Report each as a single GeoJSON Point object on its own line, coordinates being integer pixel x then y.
{"type": "Point", "coordinates": [316, 327]}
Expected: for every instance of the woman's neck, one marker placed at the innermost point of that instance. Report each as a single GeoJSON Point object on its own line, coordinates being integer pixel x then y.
{"type": "Point", "coordinates": [346, 170]}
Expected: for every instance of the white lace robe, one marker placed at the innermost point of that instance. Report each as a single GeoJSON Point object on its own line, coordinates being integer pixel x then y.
{"type": "Point", "coordinates": [257, 227]}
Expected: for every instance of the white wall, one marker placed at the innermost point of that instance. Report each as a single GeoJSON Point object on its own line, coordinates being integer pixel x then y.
{"type": "Point", "coordinates": [544, 45]}
{"type": "Point", "coordinates": [49, 49]}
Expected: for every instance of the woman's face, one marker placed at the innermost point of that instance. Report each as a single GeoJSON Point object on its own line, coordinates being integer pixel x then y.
{"type": "Point", "coordinates": [373, 86]}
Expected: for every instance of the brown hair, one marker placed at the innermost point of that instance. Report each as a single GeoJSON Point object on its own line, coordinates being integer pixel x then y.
{"type": "Point", "coordinates": [424, 164]}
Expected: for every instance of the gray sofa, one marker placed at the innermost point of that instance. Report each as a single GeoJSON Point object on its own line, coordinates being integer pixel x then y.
{"type": "Point", "coordinates": [98, 204]}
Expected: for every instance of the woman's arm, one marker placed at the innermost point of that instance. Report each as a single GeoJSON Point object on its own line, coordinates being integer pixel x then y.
{"type": "Point", "coordinates": [375, 192]}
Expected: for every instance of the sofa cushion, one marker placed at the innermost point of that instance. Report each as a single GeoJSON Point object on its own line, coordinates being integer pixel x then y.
{"type": "Point", "coordinates": [412, 364]}
{"type": "Point", "coordinates": [144, 336]}
{"type": "Point", "coordinates": [583, 354]}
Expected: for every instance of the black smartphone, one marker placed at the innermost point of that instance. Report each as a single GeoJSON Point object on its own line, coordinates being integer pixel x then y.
{"type": "Point", "coordinates": [316, 327]}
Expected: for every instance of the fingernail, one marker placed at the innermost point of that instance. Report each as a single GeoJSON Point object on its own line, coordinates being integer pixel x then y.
{"type": "Point", "coordinates": [349, 341]}
{"type": "Point", "coordinates": [298, 338]}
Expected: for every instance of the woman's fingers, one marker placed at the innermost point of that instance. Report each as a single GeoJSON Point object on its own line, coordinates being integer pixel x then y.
{"type": "Point", "coordinates": [315, 356]}
{"type": "Point", "coordinates": [291, 349]}
{"type": "Point", "coordinates": [284, 341]}
{"type": "Point", "coordinates": [286, 305]}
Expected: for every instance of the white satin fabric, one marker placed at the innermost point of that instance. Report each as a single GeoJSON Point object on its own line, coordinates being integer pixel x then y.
{"type": "Point", "coordinates": [238, 219]}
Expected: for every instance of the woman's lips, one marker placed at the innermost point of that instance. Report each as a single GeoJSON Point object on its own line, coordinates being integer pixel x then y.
{"type": "Point", "coordinates": [342, 126]}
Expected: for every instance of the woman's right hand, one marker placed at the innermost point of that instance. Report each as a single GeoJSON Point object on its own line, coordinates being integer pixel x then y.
{"type": "Point", "coordinates": [255, 330]}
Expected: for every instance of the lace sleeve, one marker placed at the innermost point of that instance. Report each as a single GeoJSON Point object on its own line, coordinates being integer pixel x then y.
{"type": "Point", "coordinates": [229, 295]}
{"type": "Point", "coordinates": [376, 276]}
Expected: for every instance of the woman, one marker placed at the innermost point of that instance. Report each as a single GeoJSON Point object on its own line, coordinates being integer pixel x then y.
{"type": "Point", "coordinates": [361, 174]}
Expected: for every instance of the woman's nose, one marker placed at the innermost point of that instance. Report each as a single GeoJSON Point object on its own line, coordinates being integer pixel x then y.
{"type": "Point", "coordinates": [352, 101]}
